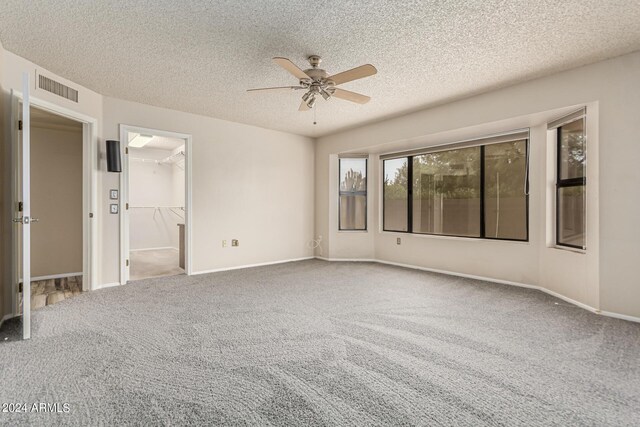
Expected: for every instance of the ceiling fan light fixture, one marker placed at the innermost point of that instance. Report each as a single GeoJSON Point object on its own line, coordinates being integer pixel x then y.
{"type": "Point", "coordinates": [311, 102]}
{"type": "Point", "coordinates": [326, 95]}
{"type": "Point", "coordinates": [306, 96]}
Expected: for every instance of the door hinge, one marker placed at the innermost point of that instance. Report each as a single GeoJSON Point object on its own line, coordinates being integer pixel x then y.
{"type": "Point", "coordinates": [90, 214]}
{"type": "Point", "coordinates": [20, 206]}
{"type": "Point", "coordinates": [127, 263]}
{"type": "Point", "coordinates": [19, 124]}
{"type": "Point", "coordinates": [19, 287]}
{"type": "Point", "coordinates": [126, 150]}
{"type": "Point", "coordinates": [126, 206]}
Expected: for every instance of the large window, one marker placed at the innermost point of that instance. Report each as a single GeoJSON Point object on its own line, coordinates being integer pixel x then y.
{"type": "Point", "coordinates": [571, 184]}
{"type": "Point", "coordinates": [478, 191]}
{"type": "Point", "coordinates": [353, 194]}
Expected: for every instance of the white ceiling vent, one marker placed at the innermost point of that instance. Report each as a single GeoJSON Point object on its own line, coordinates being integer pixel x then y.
{"type": "Point", "coordinates": [57, 88]}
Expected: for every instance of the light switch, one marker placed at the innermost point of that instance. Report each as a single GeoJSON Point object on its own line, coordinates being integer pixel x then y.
{"type": "Point", "coordinates": [235, 242]}
{"type": "Point", "coordinates": [113, 208]}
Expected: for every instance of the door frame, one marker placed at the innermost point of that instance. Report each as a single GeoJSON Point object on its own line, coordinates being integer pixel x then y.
{"type": "Point", "coordinates": [124, 196]}
{"type": "Point", "coordinates": [89, 188]}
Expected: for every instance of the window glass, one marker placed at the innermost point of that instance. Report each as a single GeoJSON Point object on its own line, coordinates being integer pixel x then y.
{"type": "Point", "coordinates": [395, 191]}
{"type": "Point", "coordinates": [446, 193]}
{"type": "Point", "coordinates": [571, 216]}
{"type": "Point", "coordinates": [353, 194]}
{"type": "Point", "coordinates": [572, 150]}
{"type": "Point", "coordinates": [570, 187]}
{"type": "Point", "coordinates": [505, 201]}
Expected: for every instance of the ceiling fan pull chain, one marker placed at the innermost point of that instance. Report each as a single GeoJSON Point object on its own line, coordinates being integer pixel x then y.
{"type": "Point", "coordinates": [314, 115]}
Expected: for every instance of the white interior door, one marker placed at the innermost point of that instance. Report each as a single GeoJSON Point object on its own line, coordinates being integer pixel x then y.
{"type": "Point", "coordinates": [24, 220]}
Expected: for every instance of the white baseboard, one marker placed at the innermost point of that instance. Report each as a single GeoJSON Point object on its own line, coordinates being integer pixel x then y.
{"type": "Point", "coordinates": [105, 285]}
{"type": "Point", "coordinates": [453, 273]}
{"type": "Point", "coordinates": [569, 300]}
{"type": "Point", "coordinates": [620, 316]}
{"type": "Point", "coordinates": [346, 259]}
{"type": "Point", "coordinates": [154, 249]}
{"type": "Point", "coordinates": [490, 279]}
{"type": "Point", "coordinates": [239, 267]}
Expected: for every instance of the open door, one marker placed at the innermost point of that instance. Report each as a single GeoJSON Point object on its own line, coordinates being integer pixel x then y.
{"type": "Point", "coordinates": [22, 218]}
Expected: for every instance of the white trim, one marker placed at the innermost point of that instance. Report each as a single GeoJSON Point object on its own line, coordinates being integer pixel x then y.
{"type": "Point", "coordinates": [620, 316]}
{"type": "Point", "coordinates": [106, 285]}
{"type": "Point", "coordinates": [154, 249]}
{"type": "Point", "coordinates": [124, 196]}
{"type": "Point", "coordinates": [464, 275]}
{"type": "Point", "coordinates": [489, 279]}
{"type": "Point", "coordinates": [346, 259]}
{"type": "Point", "coordinates": [569, 300]}
{"type": "Point", "coordinates": [89, 184]}
{"type": "Point", "coordinates": [239, 267]}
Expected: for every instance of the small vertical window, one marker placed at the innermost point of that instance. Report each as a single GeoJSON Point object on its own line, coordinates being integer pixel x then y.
{"type": "Point", "coordinates": [353, 194]}
{"type": "Point", "coordinates": [395, 193]}
{"type": "Point", "coordinates": [571, 185]}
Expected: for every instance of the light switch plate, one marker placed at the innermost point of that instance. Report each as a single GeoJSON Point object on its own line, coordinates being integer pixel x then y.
{"type": "Point", "coordinates": [113, 194]}
{"type": "Point", "coordinates": [399, 241]}
{"type": "Point", "coordinates": [235, 242]}
{"type": "Point", "coordinates": [113, 208]}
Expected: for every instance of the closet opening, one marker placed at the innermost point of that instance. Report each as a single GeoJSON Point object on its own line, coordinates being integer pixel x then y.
{"type": "Point", "coordinates": [155, 205]}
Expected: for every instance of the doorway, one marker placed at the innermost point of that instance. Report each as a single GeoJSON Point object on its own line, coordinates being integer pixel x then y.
{"type": "Point", "coordinates": [68, 165]}
{"type": "Point", "coordinates": [56, 164]}
{"type": "Point", "coordinates": [155, 194]}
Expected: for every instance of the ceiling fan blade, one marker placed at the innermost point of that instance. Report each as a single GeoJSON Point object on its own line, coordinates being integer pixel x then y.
{"type": "Point", "coordinates": [291, 67]}
{"type": "Point", "coordinates": [303, 106]}
{"type": "Point", "coordinates": [354, 74]}
{"type": "Point", "coordinates": [347, 95]}
{"type": "Point", "coordinates": [282, 88]}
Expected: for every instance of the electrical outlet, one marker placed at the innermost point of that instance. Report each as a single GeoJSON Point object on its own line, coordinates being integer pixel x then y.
{"type": "Point", "coordinates": [235, 242]}
{"type": "Point", "coordinates": [399, 241]}
{"type": "Point", "coordinates": [224, 243]}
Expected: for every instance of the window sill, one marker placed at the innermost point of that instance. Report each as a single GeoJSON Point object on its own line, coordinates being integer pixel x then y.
{"type": "Point", "coordinates": [353, 231]}
{"type": "Point", "coordinates": [457, 238]}
{"type": "Point", "coordinates": [569, 249]}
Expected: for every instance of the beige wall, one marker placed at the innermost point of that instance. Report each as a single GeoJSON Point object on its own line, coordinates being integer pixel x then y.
{"type": "Point", "coordinates": [604, 278]}
{"type": "Point", "coordinates": [249, 183]}
{"type": "Point", "coordinates": [56, 200]}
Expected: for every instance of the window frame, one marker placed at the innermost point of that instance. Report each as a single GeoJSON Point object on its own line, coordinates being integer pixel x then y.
{"type": "Point", "coordinates": [409, 194]}
{"type": "Point", "coordinates": [568, 183]}
{"type": "Point", "coordinates": [364, 193]}
{"type": "Point", "coordinates": [482, 235]}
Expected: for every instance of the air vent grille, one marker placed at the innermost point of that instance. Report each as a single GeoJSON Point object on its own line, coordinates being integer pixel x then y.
{"type": "Point", "coordinates": [57, 88]}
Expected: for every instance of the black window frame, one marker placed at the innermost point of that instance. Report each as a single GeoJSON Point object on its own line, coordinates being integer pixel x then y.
{"type": "Point", "coordinates": [354, 193]}
{"type": "Point", "coordinates": [569, 182]}
{"type": "Point", "coordinates": [482, 197]}
{"type": "Point", "coordinates": [409, 193]}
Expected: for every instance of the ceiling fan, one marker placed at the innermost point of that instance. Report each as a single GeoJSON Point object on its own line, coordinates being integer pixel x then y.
{"type": "Point", "coordinates": [317, 82]}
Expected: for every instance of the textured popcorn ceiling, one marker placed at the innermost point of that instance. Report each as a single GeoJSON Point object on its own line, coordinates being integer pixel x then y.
{"type": "Point", "coordinates": [200, 56]}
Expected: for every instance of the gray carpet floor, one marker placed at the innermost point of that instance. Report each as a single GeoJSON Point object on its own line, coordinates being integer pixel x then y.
{"type": "Point", "coordinates": [318, 343]}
